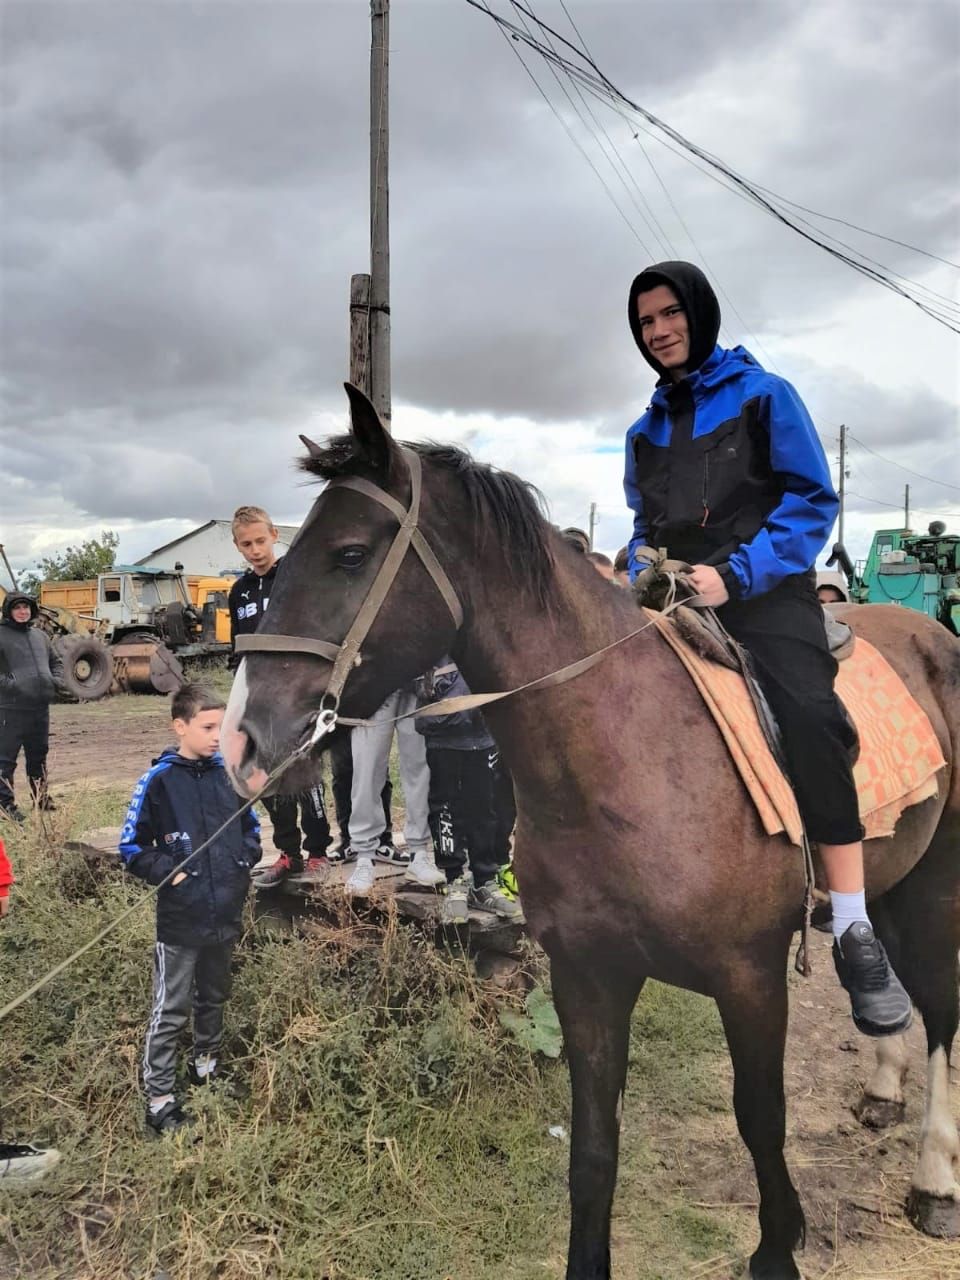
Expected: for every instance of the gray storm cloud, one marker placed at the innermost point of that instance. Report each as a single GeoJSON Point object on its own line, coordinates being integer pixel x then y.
{"type": "Point", "coordinates": [184, 200]}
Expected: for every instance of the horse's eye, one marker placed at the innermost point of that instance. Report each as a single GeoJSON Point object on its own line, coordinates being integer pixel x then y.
{"type": "Point", "coordinates": [351, 557]}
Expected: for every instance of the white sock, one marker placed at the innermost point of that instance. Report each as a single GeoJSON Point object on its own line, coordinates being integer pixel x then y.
{"type": "Point", "coordinates": [848, 908]}
{"type": "Point", "coordinates": [204, 1065]}
{"type": "Point", "coordinates": [157, 1104]}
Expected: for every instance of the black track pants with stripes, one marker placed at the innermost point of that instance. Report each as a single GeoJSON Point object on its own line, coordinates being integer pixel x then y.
{"type": "Point", "coordinates": [184, 978]}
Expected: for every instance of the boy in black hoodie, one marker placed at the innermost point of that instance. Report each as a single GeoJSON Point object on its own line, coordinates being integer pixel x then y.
{"type": "Point", "coordinates": [255, 537]}
{"type": "Point", "coordinates": [177, 805]}
{"type": "Point", "coordinates": [30, 673]}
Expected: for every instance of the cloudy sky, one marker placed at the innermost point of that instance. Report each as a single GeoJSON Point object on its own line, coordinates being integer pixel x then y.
{"type": "Point", "coordinates": [184, 199]}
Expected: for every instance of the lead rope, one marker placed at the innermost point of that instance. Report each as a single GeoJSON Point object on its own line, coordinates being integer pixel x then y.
{"type": "Point", "coordinates": [322, 727]}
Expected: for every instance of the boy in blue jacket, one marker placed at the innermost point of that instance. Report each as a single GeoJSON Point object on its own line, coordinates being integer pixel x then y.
{"type": "Point", "coordinates": [182, 799]}
{"type": "Point", "coordinates": [725, 470]}
{"type": "Point", "coordinates": [471, 806]}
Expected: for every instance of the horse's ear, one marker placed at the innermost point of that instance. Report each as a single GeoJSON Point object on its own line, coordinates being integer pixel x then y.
{"type": "Point", "coordinates": [368, 430]}
{"type": "Point", "coordinates": [312, 448]}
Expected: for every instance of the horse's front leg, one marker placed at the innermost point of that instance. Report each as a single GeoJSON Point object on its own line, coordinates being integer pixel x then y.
{"type": "Point", "coordinates": [753, 1006]}
{"type": "Point", "coordinates": [594, 1008]}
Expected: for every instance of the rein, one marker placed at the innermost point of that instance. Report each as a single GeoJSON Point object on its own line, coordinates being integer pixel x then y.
{"type": "Point", "coordinates": [348, 654]}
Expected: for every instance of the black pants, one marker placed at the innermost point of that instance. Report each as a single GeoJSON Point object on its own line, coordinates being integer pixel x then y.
{"type": "Point", "coordinates": [184, 978]}
{"type": "Point", "coordinates": [313, 820]}
{"type": "Point", "coordinates": [784, 633]}
{"type": "Point", "coordinates": [471, 811]}
{"type": "Point", "coordinates": [341, 767]}
{"type": "Point", "coordinates": [29, 730]}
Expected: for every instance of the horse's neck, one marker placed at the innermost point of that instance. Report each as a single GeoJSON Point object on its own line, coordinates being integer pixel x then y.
{"type": "Point", "coordinates": [510, 640]}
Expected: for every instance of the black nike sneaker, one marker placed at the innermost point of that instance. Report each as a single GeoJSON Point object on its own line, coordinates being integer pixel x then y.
{"type": "Point", "coordinates": [881, 1006]}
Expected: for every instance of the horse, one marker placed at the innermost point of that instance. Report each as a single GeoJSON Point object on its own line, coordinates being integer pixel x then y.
{"type": "Point", "coordinates": [638, 852]}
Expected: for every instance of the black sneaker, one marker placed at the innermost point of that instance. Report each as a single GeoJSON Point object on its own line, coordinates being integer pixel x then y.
{"type": "Point", "coordinates": [13, 814]}
{"type": "Point", "coordinates": [341, 853]}
{"type": "Point", "coordinates": [168, 1119]}
{"type": "Point", "coordinates": [881, 1006]}
{"type": "Point", "coordinates": [388, 852]}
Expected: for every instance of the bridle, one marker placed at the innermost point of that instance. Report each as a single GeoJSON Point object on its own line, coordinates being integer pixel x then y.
{"type": "Point", "coordinates": [348, 654]}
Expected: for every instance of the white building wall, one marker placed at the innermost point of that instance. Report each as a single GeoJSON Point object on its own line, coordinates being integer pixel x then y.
{"type": "Point", "coordinates": [208, 551]}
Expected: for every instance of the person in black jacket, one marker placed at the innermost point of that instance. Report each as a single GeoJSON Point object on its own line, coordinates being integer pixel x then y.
{"type": "Point", "coordinates": [255, 537]}
{"type": "Point", "coordinates": [178, 804]}
{"type": "Point", "coordinates": [471, 806]}
{"type": "Point", "coordinates": [30, 675]}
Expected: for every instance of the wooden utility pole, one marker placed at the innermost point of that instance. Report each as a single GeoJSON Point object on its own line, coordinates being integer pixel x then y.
{"type": "Point", "coordinates": [380, 209]}
{"type": "Point", "coordinates": [906, 506]}
{"type": "Point", "coordinates": [360, 332]}
{"type": "Point", "coordinates": [593, 521]}
{"type": "Point", "coordinates": [841, 487]}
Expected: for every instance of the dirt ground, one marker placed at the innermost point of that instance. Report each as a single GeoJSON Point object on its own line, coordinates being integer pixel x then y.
{"type": "Point", "coordinates": [852, 1180]}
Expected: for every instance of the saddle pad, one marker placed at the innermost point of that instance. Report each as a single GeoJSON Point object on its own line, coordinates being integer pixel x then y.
{"type": "Point", "coordinates": [899, 752]}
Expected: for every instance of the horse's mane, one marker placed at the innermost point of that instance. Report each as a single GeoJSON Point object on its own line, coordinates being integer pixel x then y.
{"type": "Point", "coordinates": [507, 512]}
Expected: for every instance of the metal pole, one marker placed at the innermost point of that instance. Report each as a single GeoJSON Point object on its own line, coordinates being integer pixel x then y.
{"type": "Point", "coordinates": [593, 521]}
{"type": "Point", "coordinates": [13, 576]}
{"type": "Point", "coordinates": [906, 506]}
{"type": "Point", "coordinates": [379, 210]}
{"type": "Point", "coordinates": [843, 475]}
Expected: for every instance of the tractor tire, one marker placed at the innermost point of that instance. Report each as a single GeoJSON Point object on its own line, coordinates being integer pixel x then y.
{"type": "Point", "coordinates": [87, 666]}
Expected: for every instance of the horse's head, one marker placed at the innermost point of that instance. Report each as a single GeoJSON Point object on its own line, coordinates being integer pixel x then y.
{"type": "Point", "coordinates": [334, 571]}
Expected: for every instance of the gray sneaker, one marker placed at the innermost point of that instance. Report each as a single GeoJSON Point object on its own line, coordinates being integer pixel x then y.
{"type": "Point", "coordinates": [454, 902]}
{"type": "Point", "coordinates": [490, 897]}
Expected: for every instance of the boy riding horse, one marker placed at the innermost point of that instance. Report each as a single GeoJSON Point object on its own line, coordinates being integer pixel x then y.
{"type": "Point", "coordinates": [725, 470]}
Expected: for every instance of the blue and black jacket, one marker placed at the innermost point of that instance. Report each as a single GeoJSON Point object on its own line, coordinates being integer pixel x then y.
{"type": "Point", "coordinates": [176, 806]}
{"type": "Point", "coordinates": [725, 467]}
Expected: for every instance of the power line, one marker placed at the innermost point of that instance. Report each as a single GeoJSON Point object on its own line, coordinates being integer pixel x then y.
{"type": "Point", "coordinates": [946, 483]}
{"type": "Point", "coordinates": [755, 341]}
{"type": "Point", "coordinates": [655, 230]}
{"type": "Point", "coordinates": [600, 86]}
{"type": "Point", "coordinates": [865, 230]}
{"type": "Point", "coordinates": [484, 8]}
{"type": "Point", "coordinates": [898, 506]}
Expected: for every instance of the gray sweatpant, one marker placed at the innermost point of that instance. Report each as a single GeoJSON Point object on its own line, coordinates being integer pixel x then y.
{"type": "Point", "coordinates": [184, 977]}
{"type": "Point", "coordinates": [371, 760]}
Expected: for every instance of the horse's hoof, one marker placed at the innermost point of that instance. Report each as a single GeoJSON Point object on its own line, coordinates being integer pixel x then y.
{"type": "Point", "coordinates": [766, 1269]}
{"type": "Point", "coordinates": [934, 1215]}
{"type": "Point", "coordinates": [879, 1113]}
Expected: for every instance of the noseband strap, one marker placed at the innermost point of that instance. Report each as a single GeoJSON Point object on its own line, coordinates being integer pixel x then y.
{"type": "Point", "coordinates": [347, 655]}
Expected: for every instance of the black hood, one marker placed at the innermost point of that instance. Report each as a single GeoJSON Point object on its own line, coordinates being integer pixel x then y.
{"type": "Point", "coordinates": [18, 597]}
{"type": "Point", "coordinates": [698, 300]}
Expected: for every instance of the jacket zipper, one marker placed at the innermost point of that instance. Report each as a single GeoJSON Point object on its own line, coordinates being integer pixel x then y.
{"type": "Point", "coordinates": [706, 485]}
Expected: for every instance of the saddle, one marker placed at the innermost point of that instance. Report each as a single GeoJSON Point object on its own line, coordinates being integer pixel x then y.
{"type": "Point", "coordinates": [662, 583]}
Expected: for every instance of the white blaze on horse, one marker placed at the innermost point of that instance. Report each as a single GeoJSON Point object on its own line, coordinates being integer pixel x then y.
{"type": "Point", "coordinates": [638, 851]}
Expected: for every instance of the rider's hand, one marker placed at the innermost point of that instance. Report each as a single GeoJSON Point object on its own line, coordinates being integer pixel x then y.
{"type": "Point", "coordinates": [179, 878]}
{"type": "Point", "coordinates": [707, 583]}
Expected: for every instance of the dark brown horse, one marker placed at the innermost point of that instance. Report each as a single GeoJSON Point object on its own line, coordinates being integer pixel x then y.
{"type": "Point", "coordinates": [638, 851]}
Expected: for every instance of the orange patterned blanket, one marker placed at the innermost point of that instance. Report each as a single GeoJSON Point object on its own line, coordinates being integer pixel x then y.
{"type": "Point", "coordinates": [899, 752]}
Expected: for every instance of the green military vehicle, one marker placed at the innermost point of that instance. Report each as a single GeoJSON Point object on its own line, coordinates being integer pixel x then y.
{"type": "Point", "coordinates": [914, 570]}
